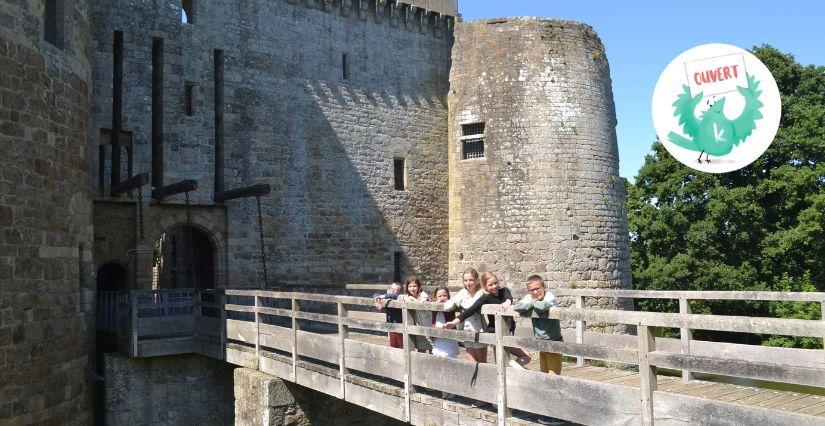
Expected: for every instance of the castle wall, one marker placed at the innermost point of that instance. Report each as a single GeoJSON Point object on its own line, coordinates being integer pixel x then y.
{"type": "Point", "coordinates": [46, 285]}
{"type": "Point", "coordinates": [546, 198]}
{"type": "Point", "coordinates": [324, 143]}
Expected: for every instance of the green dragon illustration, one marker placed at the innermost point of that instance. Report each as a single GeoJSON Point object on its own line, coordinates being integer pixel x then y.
{"type": "Point", "coordinates": [713, 133]}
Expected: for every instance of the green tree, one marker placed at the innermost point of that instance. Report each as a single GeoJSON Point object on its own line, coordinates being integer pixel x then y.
{"type": "Point", "coordinates": [758, 228]}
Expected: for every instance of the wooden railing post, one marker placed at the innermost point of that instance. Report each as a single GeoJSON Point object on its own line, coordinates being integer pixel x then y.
{"type": "Point", "coordinates": [342, 346]}
{"type": "Point", "coordinates": [580, 324]}
{"type": "Point", "coordinates": [408, 345]}
{"type": "Point", "coordinates": [501, 369]}
{"type": "Point", "coordinates": [822, 318]}
{"type": "Point", "coordinates": [685, 335]}
{"type": "Point", "coordinates": [294, 341]}
{"type": "Point", "coordinates": [134, 314]}
{"type": "Point", "coordinates": [223, 324]}
{"type": "Point", "coordinates": [647, 373]}
{"type": "Point", "coordinates": [257, 331]}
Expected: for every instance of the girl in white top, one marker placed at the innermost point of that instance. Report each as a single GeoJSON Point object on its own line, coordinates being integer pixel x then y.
{"type": "Point", "coordinates": [476, 352]}
{"type": "Point", "coordinates": [443, 347]}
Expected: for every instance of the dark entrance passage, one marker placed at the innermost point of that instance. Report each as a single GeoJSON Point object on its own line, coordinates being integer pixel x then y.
{"type": "Point", "coordinates": [184, 258]}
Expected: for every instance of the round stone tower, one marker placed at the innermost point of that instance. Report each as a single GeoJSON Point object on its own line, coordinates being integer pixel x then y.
{"type": "Point", "coordinates": [46, 286]}
{"type": "Point", "coordinates": [533, 161]}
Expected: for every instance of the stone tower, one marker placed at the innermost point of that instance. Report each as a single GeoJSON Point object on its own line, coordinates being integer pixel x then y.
{"type": "Point", "coordinates": [533, 161]}
{"type": "Point", "coordinates": [46, 287]}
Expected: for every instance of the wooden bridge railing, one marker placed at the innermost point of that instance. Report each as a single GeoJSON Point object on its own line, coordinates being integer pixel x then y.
{"type": "Point", "coordinates": [573, 399]}
{"type": "Point", "coordinates": [162, 322]}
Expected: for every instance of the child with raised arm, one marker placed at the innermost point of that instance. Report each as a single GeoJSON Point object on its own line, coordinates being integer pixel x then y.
{"type": "Point", "coordinates": [540, 300]}
{"type": "Point", "coordinates": [393, 314]}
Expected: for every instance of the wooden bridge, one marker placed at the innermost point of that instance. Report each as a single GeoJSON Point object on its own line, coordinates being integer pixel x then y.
{"type": "Point", "coordinates": [337, 345]}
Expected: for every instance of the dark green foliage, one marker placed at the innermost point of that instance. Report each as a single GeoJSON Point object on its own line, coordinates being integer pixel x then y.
{"type": "Point", "coordinates": [758, 228]}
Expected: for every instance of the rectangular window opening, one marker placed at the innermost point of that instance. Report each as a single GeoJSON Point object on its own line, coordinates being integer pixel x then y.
{"type": "Point", "coordinates": [187, 11]}
{"type": "Point", "coordinates": [399, 174]}
{"type": "Point", "coordinates": [189, 99]}
{"type": "Point", "coordinates": [345, 66]}
{"type": "Point", "coordinates": [396, 266]}
{"type": "Point", "coordinates": [51, 22]}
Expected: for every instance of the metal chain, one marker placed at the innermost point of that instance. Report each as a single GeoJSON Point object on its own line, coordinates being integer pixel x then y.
{"type": "Point", "coordinates": [188, 209]}
{"type": "Point", "coordinates": [140, 214]}
{"type": "Point", "coordinates": [261, 233]}
{"type": "Point", "coordinates": [192, 264]}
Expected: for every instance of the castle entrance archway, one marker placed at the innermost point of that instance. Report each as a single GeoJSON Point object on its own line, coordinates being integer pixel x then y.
{"type": "Point", "coordinates": [184, 258]}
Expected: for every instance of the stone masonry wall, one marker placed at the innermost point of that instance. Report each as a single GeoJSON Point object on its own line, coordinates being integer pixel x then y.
{"type": "Point", "coordinates": [324, 143]}
{"type": "Point", "coordinates": [546, 198]}
{"type": "Point", "coordinates": [179, 389]}
{"type": "Point", "coordinates": [46, 285]}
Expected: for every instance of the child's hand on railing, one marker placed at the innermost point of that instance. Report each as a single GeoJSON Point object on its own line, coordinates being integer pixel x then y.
{"type": "Point", "coordinates": [452, 324]}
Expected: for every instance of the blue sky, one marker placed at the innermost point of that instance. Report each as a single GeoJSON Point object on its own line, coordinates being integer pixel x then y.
{"type": "Point", "coordinates": [642, 37]}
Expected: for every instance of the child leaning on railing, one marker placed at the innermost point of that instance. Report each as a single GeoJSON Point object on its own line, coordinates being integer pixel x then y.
{"type": "Point", "coordinates": [540, 300]}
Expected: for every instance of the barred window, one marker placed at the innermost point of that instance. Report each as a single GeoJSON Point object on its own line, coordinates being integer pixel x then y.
{"type": "Point", "coordinates": [472, 129]}
{"type": "Point", "coordinates": [472, 140]}
{"type": "Point", "coordinates": [473, 148]}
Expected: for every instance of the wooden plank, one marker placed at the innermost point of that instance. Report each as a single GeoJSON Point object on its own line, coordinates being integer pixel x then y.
{"type": "Point", "coordinates": [318, 346]}
{"type": "Point", "coordinates": [374, 359]}
{"type": "Point", "coordinates": [162, 347]}
{"type": "Point", "coordinates": [243, 358]}
{"type": "Point", "coordinates": [784, 399]}
{"type": "Point", "coordinates": [319, 382]}
{"type": "Point", "coordinates": [386, 404]}
{"type": "Point", "coordinates": [681, 409]}
{"type": "Point", "coordinates": [685, 335]}
{"type": "Point", "coordinates": [737, 368]}
{"type": "Point", "coordinates": [460, 377]}
{"type": "Point", "coordinates": [813, 410]}
{"type": "Point", "coordinates": [783, 326]}
{"type": "Point", "coordinates": [165, 325]}
{"type": "Point", "coordinates": [409, 343]}
{"type": "Point", "coordinates": [580, 327]}
{"type": "Point", "coordinates": [571, 399]}
{"type": "Point", "coordinates": [589, 351]}
{"type": "Point", "coordinates": [647, 373]}
{"type": "Point", "coordinates": [501, 372]}
{"type": "Point", "coordinates": [275, 337]}
{"type": "Point", "coordinates": [275, 367]}
{"type": "Point", "coordinates": [696, 295]}
{"type": "Point", "coordinates": [368, 316]}
{"type": "Point", "coordinates": [805, 401]}
{"type": "Point", "coordinates": [342, 350]}
{"type": "Point", "coordinates": [740, 394]}
{"type": "Point", "coordinates": [427, 415]}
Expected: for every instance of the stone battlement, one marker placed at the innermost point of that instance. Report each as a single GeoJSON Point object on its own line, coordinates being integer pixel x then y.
{"type": "Point", "coordinates": [428, 16]}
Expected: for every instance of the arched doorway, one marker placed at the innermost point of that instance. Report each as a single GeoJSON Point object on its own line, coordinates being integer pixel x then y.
{"type": "Point", "coordinates": [184, 258]}
{"type": "Point", "coordinates": [111, 277]}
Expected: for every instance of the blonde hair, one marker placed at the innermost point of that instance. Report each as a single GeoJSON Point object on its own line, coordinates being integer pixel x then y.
{"type": "Point", "coordinates": [486, 277]}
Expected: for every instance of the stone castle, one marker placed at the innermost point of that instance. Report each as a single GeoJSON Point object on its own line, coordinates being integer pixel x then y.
{"type": "Point", "coordinates": [395, 139]}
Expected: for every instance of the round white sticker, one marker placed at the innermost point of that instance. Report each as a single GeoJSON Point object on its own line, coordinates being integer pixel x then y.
{"type": "Point", "coordinates": [716, 108]}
